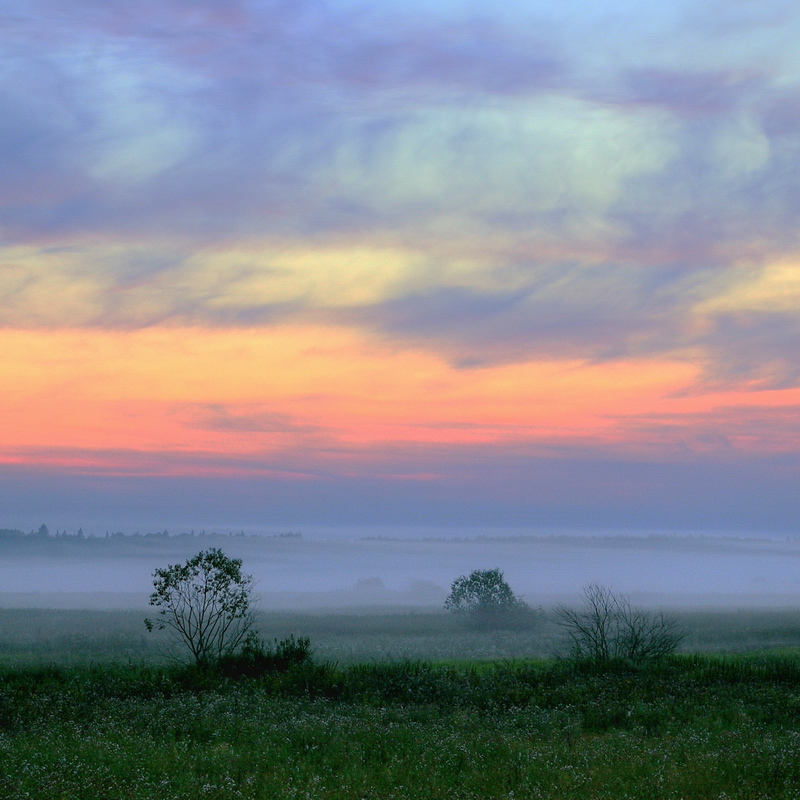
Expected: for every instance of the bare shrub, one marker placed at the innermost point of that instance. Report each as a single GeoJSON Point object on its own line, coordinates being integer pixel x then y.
{"type": "Point", "coordinates": [608, 627]}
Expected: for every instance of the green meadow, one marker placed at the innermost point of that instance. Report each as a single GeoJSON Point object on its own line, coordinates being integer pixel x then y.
{"type": "Point", "coordinates": [398, 705]}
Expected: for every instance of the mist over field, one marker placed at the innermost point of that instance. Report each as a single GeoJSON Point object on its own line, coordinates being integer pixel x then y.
{"type": "Point", "coordinates": [356, 569]}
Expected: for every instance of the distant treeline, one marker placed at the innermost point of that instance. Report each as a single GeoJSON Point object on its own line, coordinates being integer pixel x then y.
{"type": "Point", "coordinates": [45, 540]}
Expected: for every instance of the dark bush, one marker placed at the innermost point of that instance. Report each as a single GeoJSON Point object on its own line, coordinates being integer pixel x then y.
{"type": "Point", "coordinates": [486, 601]}
{"type": "Point", "coordinates": [257, 657]}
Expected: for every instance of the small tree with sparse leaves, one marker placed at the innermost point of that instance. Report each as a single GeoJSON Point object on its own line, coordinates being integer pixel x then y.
{"type": "Point", "coordinates": [205, 604]}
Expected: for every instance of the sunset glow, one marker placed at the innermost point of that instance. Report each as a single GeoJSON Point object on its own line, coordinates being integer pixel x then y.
{"type": "Point", "coordinates": [456, 241]}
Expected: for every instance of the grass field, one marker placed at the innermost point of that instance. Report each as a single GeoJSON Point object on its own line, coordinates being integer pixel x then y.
{"type": "Point", "coordinates": [88, 710]}
{"type": "Point", "coordinates": [44, 636]}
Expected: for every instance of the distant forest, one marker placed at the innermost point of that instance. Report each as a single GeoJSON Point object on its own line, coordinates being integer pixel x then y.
{"type": "Point", "coordinates": [45, 541]}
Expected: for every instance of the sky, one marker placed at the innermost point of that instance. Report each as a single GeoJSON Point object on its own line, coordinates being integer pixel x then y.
{"type": "Point", "coordinates": [458, 263]}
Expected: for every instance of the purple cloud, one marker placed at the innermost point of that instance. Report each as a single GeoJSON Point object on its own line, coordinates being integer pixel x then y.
{"type": "Point", "coordinates": [691, 93]}
{"type": "Point", "coordinates": [198, 122]}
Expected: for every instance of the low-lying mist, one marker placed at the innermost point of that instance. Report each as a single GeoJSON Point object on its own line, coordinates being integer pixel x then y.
{"type": "Point", "coordinates": [311, 572]}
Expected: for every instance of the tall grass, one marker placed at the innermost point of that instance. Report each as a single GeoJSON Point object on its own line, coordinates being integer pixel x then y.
{"type": "Point", "coordinates": [692, 726]}
{"type": "Point", "coordinates": [36, 636]}
{"type": "Point", "coordinates": [90, 710]}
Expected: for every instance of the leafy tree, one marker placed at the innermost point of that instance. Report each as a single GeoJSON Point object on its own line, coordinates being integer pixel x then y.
{"type": "Point", "coordinates": [608, 627]}
{"type": "Point", "coordinates": [205, 604]}
{"type": "Point", "coordinates": [484, 595]}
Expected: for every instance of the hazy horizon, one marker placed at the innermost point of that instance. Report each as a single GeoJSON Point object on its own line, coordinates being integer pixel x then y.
{"type": "Point", "coordinates": [363, 572]}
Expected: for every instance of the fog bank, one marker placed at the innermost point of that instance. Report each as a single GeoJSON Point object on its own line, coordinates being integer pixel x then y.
{"type": "Point", "coordinates": [679, 571]}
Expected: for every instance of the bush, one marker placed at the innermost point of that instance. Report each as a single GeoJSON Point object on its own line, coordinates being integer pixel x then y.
{"type": "Point", "coordinates": [256, 657]}
{"type": "Point", "coordinates": [485, 598]}
{"type": "Point", "coordinates": [608, 627]}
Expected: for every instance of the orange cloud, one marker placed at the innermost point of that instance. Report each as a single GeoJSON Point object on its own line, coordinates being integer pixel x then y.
{"type": "Point", "coordinates": [249, 391]}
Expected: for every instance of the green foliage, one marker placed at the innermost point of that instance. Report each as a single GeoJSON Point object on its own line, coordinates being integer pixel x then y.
{"type": "Point", "coordinates": [485, 596]}
{"type": "Point", "coordinates": [205, 603]}
{"type": "Point", "coordinates": [256, 657]}
{"type": "Point", "coordinates": [73, 637]}
{"type": "Point", "coordinates": [699, 727]}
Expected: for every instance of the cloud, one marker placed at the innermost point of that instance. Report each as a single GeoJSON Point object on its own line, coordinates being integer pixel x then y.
{"type": "Point", "coordinates": [739, 323]}
{"type": "Point", "coordinates": [754, 351]}
{"type": "Point", "coordinates": [569, 310]}
{"type": "Point", "coordinates": [721, 432]}
{"type": "Point", "coordinates": [493, 186]}
{"type": "Point", "coordinates": [248, 418]}
{"type": "Point", "coordinates": [210, 123]}
{"type": "Point", "coordinates": [312, 118]}
{"type": "Point", "coordinates": [691, 92]}
{"type": "Point", "coordinates": [291, 45]}
{"type": "Point", "coordinates": [738, 17]}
